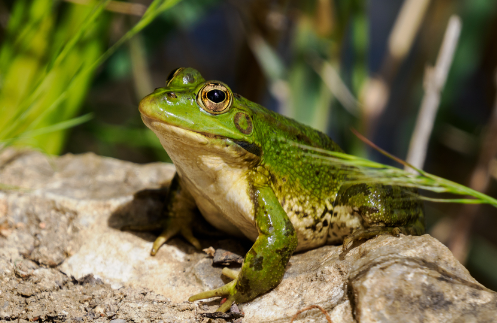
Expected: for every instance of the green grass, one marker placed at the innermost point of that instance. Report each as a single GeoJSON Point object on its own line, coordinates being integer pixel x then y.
{"type": "Point", "coordinates": [47, 62]}
{"type": "Point", "coordinates": [361, 170]}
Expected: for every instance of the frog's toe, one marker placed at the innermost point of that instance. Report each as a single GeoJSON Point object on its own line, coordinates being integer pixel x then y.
{"type": "Point", "coordinates": [233, 274]}
{"type": "Point", "coordinates": [163, 237]}
{"type": "Point", "coordinates": [226, 305]}
{"type": "Point", "coordinates": [364, 234]}
{"type": "Point", "coordinates": [225, 291]}
{"type": "Point", "coordinates": [171, 227]}
{"type": "Point", "coordinates": [167, 234]}
{"type": "Point", "coordinates": [174, 226]}
{"type": "Point", "coordinates": [187, 233]}
{"type": "Point", "coordinates": [371, 232]}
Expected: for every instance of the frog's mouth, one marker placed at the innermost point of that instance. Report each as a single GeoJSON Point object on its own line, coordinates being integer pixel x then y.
{"type": "Point", "coordinates": [168, 133]}
{"type": "Point", "coordinates": [179, 133]}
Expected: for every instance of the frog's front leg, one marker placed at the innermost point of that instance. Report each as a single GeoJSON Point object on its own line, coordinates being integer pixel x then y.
{"type": "Point", "coordinates": [265, 263]}
{"type": "Point", "coordinates": [179, 213]}
{"type": "Point", "coordinates": [377, 209]}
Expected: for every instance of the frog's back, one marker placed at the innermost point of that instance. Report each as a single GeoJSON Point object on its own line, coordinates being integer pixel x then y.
{"type": "Point", "coordinates": [321, 206]}
{"type": "Point", "coordinates": [305, 186]}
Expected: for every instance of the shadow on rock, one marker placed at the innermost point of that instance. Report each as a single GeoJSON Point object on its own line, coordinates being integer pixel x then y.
{"type": "Point", "coordinates": [147, 210]}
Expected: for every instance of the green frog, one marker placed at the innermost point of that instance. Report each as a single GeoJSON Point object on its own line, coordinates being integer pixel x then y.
{"type": "Point", "coordinates": [237, 162]}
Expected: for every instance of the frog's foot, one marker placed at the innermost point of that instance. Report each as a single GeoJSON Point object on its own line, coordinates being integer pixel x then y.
{"type": "Point", "coordinates": [230, 273]}
{"type": "Point", "coordinates": [364, 234]}
{"type": "Point", "coordinates": [171, 227]}
{"type": "Point", "coordinates": [227, 291]}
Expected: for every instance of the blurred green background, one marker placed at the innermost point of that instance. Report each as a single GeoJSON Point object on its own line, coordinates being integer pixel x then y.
{"type": "Point", "coordinates": [63, 91]}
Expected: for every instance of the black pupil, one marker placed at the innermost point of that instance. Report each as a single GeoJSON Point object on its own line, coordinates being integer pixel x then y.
{"type": "Point", "coordinates": [216, 96]}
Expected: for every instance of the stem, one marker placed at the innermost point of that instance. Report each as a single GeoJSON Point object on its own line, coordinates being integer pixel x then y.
{"type": "Point", "coordinates": [434, 83]}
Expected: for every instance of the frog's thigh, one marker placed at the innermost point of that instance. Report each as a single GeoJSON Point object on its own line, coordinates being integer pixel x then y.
{"type": "Point", "coordinates": [266, 261]}
{"type": "Point", "coordinates": [343, 222]}
{"type": "Point", "coordinates": [380, 209]}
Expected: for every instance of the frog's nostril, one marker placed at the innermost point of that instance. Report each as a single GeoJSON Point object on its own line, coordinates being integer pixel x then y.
{"type": "Point", "coordinates": [171, 95]}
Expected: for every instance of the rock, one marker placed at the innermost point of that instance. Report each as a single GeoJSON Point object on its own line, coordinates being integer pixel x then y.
{"type": "Point", "coordinates": [229, 252]}
{"type": "Point", "coordinates": [64, 257]}
{"type": "Point", "coordinates": [386, 279]}
{"type": "Point", "coordinates": [418, 278]}
{"type": "Point", "coordinates": [208, 275]}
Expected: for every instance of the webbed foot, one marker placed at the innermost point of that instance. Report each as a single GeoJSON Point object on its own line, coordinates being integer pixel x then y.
{"type": "Point", "coordinates": [171, 227]}
{"type": "Point", "coordinates": [227, 291]}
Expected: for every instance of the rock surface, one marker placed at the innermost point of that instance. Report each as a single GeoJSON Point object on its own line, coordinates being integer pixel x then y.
{"type": "Point", "coordinates": [63, 257]}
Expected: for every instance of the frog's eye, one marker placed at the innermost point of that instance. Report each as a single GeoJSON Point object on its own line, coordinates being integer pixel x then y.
{"type": "Point", "coordinates": [171, 75]}
{"type": "Point", "coordinates": [214, 98]}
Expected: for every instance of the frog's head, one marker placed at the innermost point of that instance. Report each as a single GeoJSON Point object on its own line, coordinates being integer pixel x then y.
{"type": "Point", "coordinates": [196, 112]}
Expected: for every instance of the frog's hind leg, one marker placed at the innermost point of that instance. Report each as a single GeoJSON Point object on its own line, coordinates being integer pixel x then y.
{"type": "Point", "coordinates": [180, 212]}
{"type": "Point", "coordinates": [230, 273]}
{"type": "Point", "coordinates": [265, 263]}
{"type": "Point", "coordinates": [381, 209]}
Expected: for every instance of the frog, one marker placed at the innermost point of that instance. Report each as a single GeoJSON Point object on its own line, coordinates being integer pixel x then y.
{"type": "Point", "coordinates": [243, 167]}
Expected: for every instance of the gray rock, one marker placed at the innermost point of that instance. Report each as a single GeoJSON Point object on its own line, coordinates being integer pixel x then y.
{"type": "Point", "coordinates": [418, 278]}
{"type": "Point", "coordinates": [229, 252]}
{"type": "Point", "coordinates": [61, 220]}
{"type": "Point", "coordinates": [208, 275]}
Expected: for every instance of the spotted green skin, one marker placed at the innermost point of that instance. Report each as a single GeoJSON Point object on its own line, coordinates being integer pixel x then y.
{"type": "Point", "coordinates": [296, 202]}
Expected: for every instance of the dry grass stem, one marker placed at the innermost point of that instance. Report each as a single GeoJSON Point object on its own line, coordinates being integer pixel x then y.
{"type": "Point", "coordinates": [332, 79]}
{"type": "Point", "coordinates": [406, 27]}
{"type": "Point", "coordinates": [376, 90]}
{"type": "Point", "coordinates": [310, 308]}
{"type": "Point", "coordinates": [434, 83]}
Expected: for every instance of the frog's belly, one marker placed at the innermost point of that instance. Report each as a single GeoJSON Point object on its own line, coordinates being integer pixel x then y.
{"type": "Point", "coordinates": [223, 199]}
{"type": "Point", "coordinates": [234, 225]}
{"type": "Point", "coordinates": [216, 177]}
